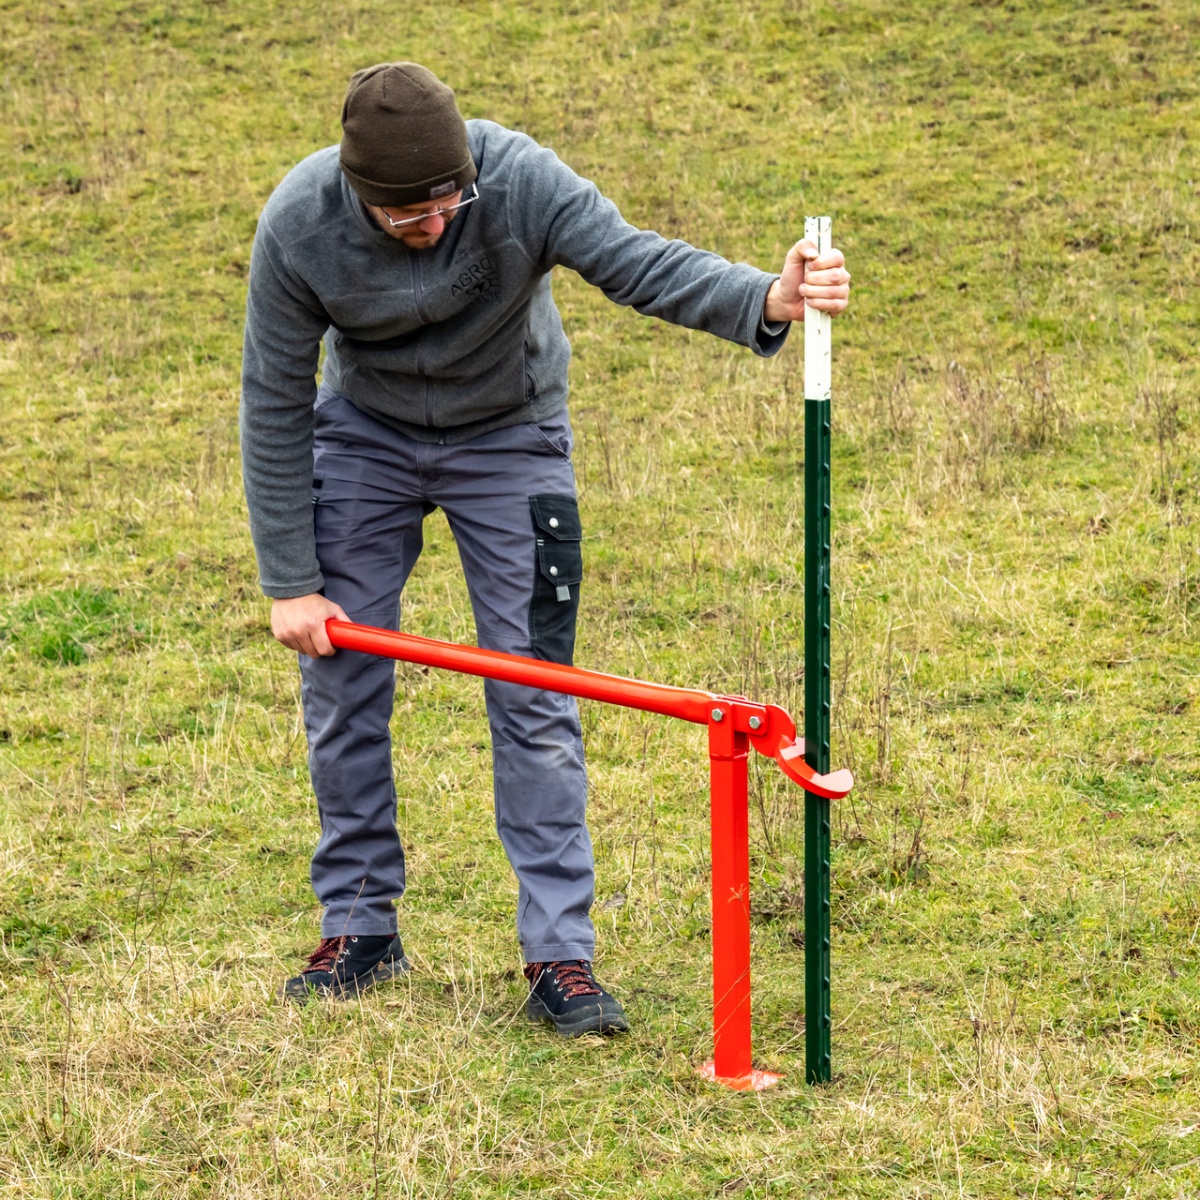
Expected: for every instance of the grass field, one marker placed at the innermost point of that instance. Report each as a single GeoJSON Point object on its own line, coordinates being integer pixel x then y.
{"type": "Point", "coordinates": [1017, 598]}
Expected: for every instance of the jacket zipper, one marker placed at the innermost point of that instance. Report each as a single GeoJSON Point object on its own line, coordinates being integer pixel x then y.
{"type": "Point", "coordinates": [421, 312]}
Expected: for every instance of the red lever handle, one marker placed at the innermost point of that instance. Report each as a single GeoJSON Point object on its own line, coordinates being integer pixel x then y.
{"type": "Point", "coordinates": [767, 724]}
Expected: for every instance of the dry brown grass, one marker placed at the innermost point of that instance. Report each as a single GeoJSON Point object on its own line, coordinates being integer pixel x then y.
{"type": "Point", "coordinates": [1016, 590]}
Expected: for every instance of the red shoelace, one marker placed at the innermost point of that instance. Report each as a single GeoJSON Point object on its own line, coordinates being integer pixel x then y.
{"type": "Point", "coordinates": [325, 956]}
{"type": "Point", "coordinates": [571, 978]}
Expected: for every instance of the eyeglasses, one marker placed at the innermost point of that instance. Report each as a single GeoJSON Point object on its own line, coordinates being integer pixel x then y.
{"type": "Point", "coordinates": [406, 222]}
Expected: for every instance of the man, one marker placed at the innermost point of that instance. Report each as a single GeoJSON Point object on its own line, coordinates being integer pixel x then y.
{"type": "Point", "coordinates": [420, 250]}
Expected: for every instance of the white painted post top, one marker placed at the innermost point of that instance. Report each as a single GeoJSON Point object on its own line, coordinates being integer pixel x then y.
{"type": "Point", "coordinates": [818, 326]}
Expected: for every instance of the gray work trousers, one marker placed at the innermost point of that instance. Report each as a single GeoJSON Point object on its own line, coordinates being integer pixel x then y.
{"type": "Point", "coordinates": [509, 497]}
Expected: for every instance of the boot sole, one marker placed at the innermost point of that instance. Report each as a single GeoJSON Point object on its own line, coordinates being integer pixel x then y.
{"type": "Point", "coordinates": [588, 1020]}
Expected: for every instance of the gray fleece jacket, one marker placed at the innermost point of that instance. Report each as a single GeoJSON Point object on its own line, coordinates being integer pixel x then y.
{"type": "Point", "coordinates": [446, 343]}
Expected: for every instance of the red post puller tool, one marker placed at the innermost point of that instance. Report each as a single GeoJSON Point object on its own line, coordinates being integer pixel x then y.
{"type": "Point", "coordinates": [734, 725]}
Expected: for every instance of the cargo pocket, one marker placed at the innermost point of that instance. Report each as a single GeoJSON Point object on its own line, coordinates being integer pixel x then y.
{"type": "Point", "coordinates": [559, 570]}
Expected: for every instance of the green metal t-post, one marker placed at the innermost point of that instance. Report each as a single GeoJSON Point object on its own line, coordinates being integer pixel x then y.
{"type": "Point", "coordinates": [818, 364]}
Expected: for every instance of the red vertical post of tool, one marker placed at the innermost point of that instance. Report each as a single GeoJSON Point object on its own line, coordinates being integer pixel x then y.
{"type": "Point", "coordinates": [729, 750]}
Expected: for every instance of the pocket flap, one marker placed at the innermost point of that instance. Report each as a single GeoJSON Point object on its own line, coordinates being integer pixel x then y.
{"type": "Point", "coordinates": [561, 563]}
{"type": "Point", "coordinates": [557, 517]}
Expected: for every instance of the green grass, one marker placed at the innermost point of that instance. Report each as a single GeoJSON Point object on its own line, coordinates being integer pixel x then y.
{"type": "Point", "coordinates": [1016, 586]}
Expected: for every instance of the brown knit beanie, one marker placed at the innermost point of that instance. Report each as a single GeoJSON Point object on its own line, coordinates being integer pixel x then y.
{"type": "Point", "coordinates": [403, 138]}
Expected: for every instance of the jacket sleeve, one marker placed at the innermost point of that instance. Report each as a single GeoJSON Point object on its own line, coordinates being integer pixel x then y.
{"type": "Point", "coordinates": [567, 221]}
{"type": "Point", "coordinates": [284, 326]}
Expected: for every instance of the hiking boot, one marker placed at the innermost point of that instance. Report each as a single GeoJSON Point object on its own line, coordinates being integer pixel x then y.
{"type": "Point", "coordinates": [567, 995]}
{"type": "Point", "coordinates": [342, 967]}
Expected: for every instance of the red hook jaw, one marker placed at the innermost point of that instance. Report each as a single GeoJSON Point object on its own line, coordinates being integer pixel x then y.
{"type": "Point", "coordinates": [790, 757]}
